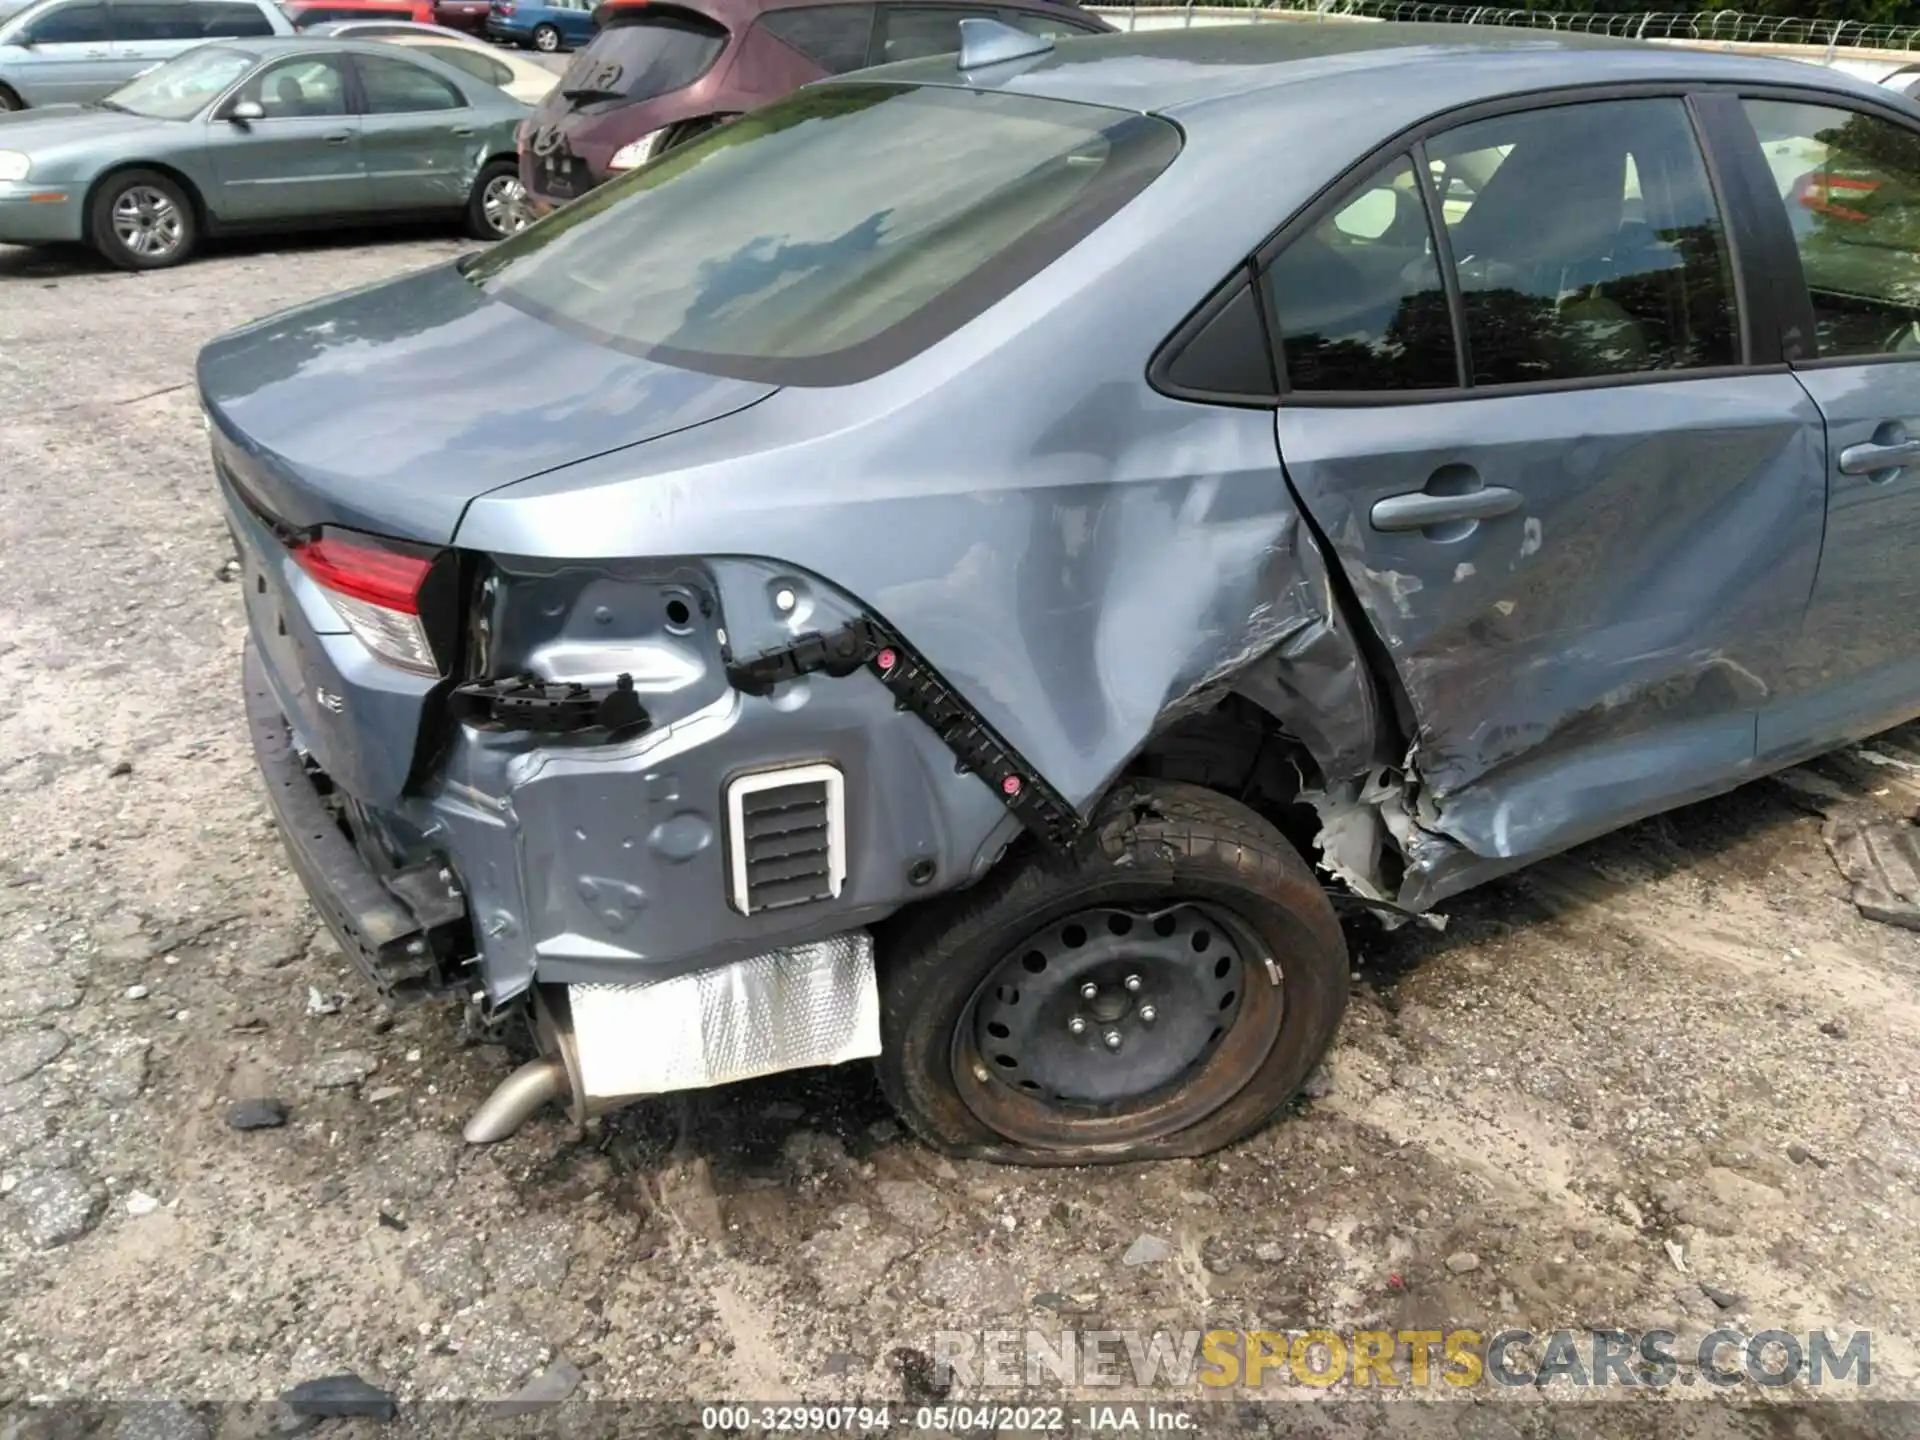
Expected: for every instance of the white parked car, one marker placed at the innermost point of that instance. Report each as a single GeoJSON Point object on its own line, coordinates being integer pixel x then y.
{"type": "Point", "coordinates": [523, 79]}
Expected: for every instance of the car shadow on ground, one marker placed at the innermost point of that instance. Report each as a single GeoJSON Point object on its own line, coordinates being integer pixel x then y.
{"type": "Point", "coordinates": [66, 262]}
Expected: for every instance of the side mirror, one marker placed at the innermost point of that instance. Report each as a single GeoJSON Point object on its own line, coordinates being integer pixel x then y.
{"type": "Point", "coordinates": [245, 112]}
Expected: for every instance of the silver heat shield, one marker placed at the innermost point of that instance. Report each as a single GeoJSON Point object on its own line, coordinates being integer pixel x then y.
{"type": "Point", "coordinates": [812, 1004]}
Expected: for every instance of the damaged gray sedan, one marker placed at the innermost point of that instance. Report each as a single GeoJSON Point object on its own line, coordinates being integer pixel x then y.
{"type": "Point", "coordinates": [914, 572]}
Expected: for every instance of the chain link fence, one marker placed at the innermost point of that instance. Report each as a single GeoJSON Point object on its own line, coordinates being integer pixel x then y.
{"type": "Point", "coordinates": [1731, 27]}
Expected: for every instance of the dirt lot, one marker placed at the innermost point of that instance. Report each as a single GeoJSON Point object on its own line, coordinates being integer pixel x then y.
{"type": "Point", "coordinates": [1680, 1047]}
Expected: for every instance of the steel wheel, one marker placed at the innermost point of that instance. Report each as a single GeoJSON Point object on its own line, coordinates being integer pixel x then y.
{"type": "Point", "coordinates": [503, 205]}
{"type": "Point", "coordinates": [546, 38]}
{"type": "Point", "coordinates": [1133, 1021]}
{"type": "Point", "coordinates": [148, 222]}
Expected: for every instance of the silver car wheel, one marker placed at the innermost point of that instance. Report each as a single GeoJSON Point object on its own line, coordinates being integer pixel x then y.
{"type": "Point", "coordinates": [503, 204]}
{"type": "Point", "coordinates": [148, 222]}
{"type": "Point", "coordinates": [546, 38]}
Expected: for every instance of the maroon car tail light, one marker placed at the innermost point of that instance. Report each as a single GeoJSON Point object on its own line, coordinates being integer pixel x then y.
{"type": "Point", "coordinates": [503, 7]}
{"type": "Point", "coordinates": [1828, 194]}
{"type": "Point", "coordinates": [378, 589]}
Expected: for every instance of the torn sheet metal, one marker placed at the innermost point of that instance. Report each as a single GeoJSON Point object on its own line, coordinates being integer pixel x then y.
{"type": "Point", "coordinates": [814, 1004]}
{"type": "Point", "coordinates": [1881, 857]}
{"type": "Point", "coordinates": [1357, 821]}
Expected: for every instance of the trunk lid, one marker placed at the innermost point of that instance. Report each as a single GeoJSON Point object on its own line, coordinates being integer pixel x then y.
{"type": "Point", "coordinates": [390, 408]}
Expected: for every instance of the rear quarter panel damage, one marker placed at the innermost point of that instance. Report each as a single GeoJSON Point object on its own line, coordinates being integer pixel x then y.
{"type": "Point", "coordinates": [594, 861]}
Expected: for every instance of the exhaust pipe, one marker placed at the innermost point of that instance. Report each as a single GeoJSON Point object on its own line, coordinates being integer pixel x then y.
{"type": "Point", "coordinates": [515, 1099]}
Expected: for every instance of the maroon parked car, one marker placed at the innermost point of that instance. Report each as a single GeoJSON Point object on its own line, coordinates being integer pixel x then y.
{"type": "Point", "coordinates": [656, 75]}
{"type": "Point", "coordinates": [467, 15]}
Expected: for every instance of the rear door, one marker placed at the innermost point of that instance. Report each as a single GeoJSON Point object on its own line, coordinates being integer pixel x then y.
{"type": "Point", "coordinates": [418, 136]}
{"type": "Point", "coordinates": [302, 159]}
{"type": "Point", "coordinates": [72, 59]}
{"type": "Point", "coordinates": [1582, 524]}
{"type": "Point", "coordinates": [1849, 180]}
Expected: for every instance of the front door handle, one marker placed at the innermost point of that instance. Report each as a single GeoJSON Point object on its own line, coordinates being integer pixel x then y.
{"type": "Point", "coordinates": [463, 130]}
{"type": "Point", "coordinates": [1872, 458]}
{"type": "Point", "coordinates": [1422, 509]}
{"type": "Point", "coordinates": [338, 137]}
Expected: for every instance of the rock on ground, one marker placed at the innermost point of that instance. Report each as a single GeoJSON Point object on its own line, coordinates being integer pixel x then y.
{"type": "Point", "coordinates": [56, 1208]}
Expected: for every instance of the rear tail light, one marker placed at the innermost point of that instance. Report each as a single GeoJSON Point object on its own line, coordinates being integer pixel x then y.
{"type": "Point", "coordinates": [503, 7]}
{"type": "Point", "coordinates": [377, 590]}
{"type": "Point", "coordinates": [637, 152]}
{"type": "Point", "coordinates": [1827, 194]}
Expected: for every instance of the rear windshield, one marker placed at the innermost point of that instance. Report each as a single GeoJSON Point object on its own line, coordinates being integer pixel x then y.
{"type": "Point", "coordinates": [832, 234]}
{"type": "Point", "coordinates": [641, 58]}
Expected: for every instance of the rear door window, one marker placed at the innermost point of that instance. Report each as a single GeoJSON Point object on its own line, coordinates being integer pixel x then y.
{"type": "Point", "coordinates": [218, 20]}
{"type": "Point", "coordinates": [303, 16]}
{"type": "Point", "coordinates": [1587, 242]}
{"type": "Point", "coordinates": [639, 59]}
{"type": "Point", "coordinates": [1054, 27]}
{"type": "Point", "coordinates": [911, 33]}
{"type": "Point", "coordinates": [156, 22]}
{"type": "Point", "coordinates": [83, 24]}
{"type": "Point", "coordinates": [1851, 184]}
{"type": "Point", "coordinates": [828, 236]}
{"type": "Point", "coordinates": [834, 37]}
{"type": "Point", "coordinates": [188, 20]}
{"type": "Point", "coordinates": [481, 67]}
{"type": "Point", "coordinates": [393, 87]}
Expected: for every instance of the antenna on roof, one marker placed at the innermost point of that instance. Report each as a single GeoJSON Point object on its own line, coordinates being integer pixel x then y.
{"type": "Point", "coordinates": [988, 42]}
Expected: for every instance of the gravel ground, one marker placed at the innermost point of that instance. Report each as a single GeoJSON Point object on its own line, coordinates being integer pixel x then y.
{"type": "Point", "coordinates": [1666, 1081]}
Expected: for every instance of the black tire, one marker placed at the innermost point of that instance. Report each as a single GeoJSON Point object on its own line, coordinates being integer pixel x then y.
{"type": "Point", "coordinates": [482, 222]}
{"type": "Point", "coordinates": [546, 39]}
{"type": "Point", "coordinates": [10, 100]}
{"type": "Point", "coordinates": [1155, 843]}
{"type": "Point", "coordinates": [172, 218]}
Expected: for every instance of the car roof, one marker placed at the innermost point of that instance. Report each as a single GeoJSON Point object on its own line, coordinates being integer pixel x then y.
{"type": "Point", "coordinates": [1165, 71]}
{"type": "Point", "coordinates": [266, 46]}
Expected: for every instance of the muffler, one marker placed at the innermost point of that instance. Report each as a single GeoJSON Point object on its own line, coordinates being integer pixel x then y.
{"type": "Point", "coordinates": [604, 1046]}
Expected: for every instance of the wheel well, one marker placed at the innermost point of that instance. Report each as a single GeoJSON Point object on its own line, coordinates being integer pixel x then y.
{"type": "Point", "coordinates": [8, 90]}
{"type": "Point", "coordinates": [1237, 749]}
{"type": "Point", "coordinates": [187, 188]}
{"type": "Point", "coordinates": [507, 159]}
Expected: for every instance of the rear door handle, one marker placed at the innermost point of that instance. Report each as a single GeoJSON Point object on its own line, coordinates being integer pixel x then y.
{"type": "Point", "coordinates": [1420, 509]}
{"type": "Point", "coordinates": [463, 130]}
{"type": "Point", "coordinates": [338, 137]}
{"type": "Point", "coordinates": [1871, 459]}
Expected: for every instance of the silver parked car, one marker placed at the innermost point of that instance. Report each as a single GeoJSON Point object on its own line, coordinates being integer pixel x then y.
{"type": "Point", "coordinates": [71, 52]}
{"type": "Point", "coordinates": [286, 133]}
{"type": "Point", "coordinates": [919, 570]}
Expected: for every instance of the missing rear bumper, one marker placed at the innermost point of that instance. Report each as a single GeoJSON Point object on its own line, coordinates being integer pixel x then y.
{"type": "Point", "coordinates": [400, 931]}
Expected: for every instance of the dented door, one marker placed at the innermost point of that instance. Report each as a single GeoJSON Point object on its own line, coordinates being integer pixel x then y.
{"type": "Point", "coordinates": [1585, 562]}
{"type": "Point", "coordinates": [1598, 651]}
